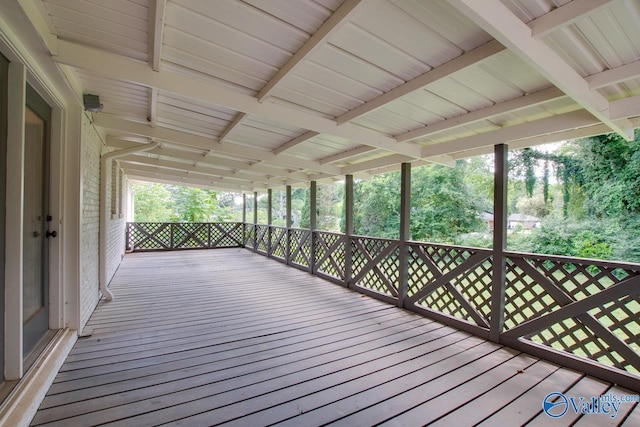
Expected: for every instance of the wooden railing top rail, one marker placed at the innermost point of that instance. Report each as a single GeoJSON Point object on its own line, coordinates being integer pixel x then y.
{"type": "Point", "coordinates": [576, 260]}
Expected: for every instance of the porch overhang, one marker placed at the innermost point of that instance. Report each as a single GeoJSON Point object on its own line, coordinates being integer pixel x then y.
{"type": "Point", "coordinates": [248, 96]}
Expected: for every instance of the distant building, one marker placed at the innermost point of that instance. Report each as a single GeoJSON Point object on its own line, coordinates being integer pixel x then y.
{"type": "Point", "coordinates": [487, 218]}
{"type": "Point", "coordinates": [527, 222]}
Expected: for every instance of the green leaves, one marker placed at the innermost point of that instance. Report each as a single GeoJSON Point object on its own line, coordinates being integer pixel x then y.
{"type": "Point", "coordinates": [168, 203]}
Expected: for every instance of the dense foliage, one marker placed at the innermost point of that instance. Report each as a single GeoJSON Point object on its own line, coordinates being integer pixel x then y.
{"type": "Point", "coordinates": [599, 214]}
{"type": "Point", "coordinates": [585, 193]}
{"type": "Point", "coordinates": [442, 206]}
{"type": "Point", "coordinates": [170, 203]}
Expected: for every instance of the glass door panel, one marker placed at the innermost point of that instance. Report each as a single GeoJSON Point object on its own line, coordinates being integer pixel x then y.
{"type": "Point", "coordinates": [35, 255]}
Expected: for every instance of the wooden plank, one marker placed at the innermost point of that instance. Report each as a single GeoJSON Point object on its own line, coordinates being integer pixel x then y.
{"type": "Point", "coordinates": [483, 406]}
{"type": "Point", "coordinates": [586, 387]}
{"type": "Point", "coordinates": [228, 371]}
{"type": "Point", "coordinates": [598, 420]}
{"type": "Point", "coordinates": [374, 405]}
{"type": "Point", "coordinates": [290, 348]}
{"type": "Point", "coordinates": [268, 349]}
{"type": "Point", "coordinates": [159, 340]}
{"type": "Point", "coordinates": [431, 389]}
{"type": "Point", "coordinates": [526, 406]}
{"type": "Point", "coordinates": [236, 383]}
{"type": "Point", "coordinates": [151, 359]}
{"type": "Point", "coordinates": [633, 419]}
{"type": "Point", "coordinates": [229, 406]}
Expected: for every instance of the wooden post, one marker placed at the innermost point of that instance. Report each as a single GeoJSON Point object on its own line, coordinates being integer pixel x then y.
{"type": "Point", "coordinates": [244, 208]}
{"type": "Point", "coordinates": [255, 221]}
{"type": "Point", "coordinates": [244, 219]}
{"type": "Point", "coordinates": [348, 229]}
{"type": "Point", "coordinates": [405, 232]}
{"type": "Point", "coordinates": [288, 231]}
{"type": "Point", "coordinates": [269, 219]}
{"type": "Point", "coordinates": [499, 241]}
{"type": "Point", "coordinates": [313, 224]}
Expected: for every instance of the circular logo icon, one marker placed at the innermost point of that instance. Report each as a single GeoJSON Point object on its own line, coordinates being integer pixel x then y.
{"type": "Point", "coordinates": [555, 404]}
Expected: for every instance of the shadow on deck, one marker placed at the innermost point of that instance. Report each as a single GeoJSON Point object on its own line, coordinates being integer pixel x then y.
{"type": "Point", "coordinates": [226, 336]}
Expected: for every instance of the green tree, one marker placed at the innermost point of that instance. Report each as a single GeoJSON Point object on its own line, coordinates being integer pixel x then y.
{"type": "Point", "coordinates": [442, 206]}
{"type": "Point", "coordinates": [152, 203]}
{"type": "Point", "coordinates": [600, 212]}
{"type": "Point", "coordinates": [194, 204]}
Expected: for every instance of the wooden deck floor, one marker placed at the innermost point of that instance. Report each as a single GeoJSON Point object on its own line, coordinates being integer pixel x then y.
{"type": "Point", "coordinates": [230, 337]}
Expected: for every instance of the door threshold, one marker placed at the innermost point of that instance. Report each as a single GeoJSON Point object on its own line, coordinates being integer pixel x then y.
{"type": "Point", "coordinates": [37, 349]}
{"type": "Point", "coordinates": [22, 402]}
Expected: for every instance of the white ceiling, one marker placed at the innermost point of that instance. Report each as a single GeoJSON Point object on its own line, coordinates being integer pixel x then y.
{"type": "Point", "coordinates": [256, 94]}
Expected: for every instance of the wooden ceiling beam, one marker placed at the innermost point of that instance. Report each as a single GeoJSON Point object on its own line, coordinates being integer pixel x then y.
{"type": "Point", "coordinates": [564, 16]}
{"type": "Point", "coordinates": [526, 101]}
{"type": "Point", "coordinates": [295, 142]}
{"type": "Point", "coordinates": [549, 125]}
{"type": "Point", "coordinates": [339, 18]}
{"type": "Point", "coordinates": [435, 74]}
{"type": "Point", "coordinates": [156, 30]}
{"type": "Point", "coordinates": [189, 140]}
{"type": "Point", "coordinates": [152, 175]}
{"type": "Point", "coordinates": [118, 67]}
{"type": "Point", "coordinates": [260, 171]}
{"type": "Point", "coordinates": [237, 121]}
{"type": "Point", "coordinates": [496, 19]}
{"type": "Point", "coordinates": [346, 154]}
{"type": "Point", "coordinates": [614, 75]}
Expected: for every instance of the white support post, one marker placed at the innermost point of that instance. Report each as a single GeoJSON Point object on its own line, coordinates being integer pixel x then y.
{"type": "Point", "coordinates": [70, 230]}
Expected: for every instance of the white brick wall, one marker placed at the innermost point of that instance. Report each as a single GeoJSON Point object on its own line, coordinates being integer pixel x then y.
{"type": "Point", "coordinates": [115, 233]}
{"type": "Point", "coordinates": [92, 148]}
{"type": "Point", "coordinates": [89, 240]}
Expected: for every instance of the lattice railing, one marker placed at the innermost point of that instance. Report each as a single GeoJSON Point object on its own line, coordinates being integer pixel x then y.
{"type": "Point", "coordinates": [330, 254]}
{"type": "Point", "coordinates": [279, 243]}
{"type": "Point", "coordinates": [587, 308]}
{"type": "Point", "coordinates": [452, 280]}
{"type": "Point", "coordinates": [170, 236]}
{"type": "Point", "coordinates": [226, 234]}
{"type": "Point", "coordinates": [262, 239]}
{"type": "Point", "coordinates": [571, 310]}
{"type": "Point", "coordinates": [375, 264]}
{"type": "Point", "coordinates": [249, 237]}
{"type": "Point", "coordinates": [300, 244]}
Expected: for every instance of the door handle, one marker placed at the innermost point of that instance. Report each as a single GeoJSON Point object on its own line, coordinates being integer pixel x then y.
{"type": "Point", "coordinates": [51, 234]}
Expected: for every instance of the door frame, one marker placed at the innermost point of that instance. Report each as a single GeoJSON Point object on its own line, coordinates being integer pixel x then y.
{"type": "Point", "coordinates": [61, 315]}
{"type": "Point", "coordinates": [4, 83]}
